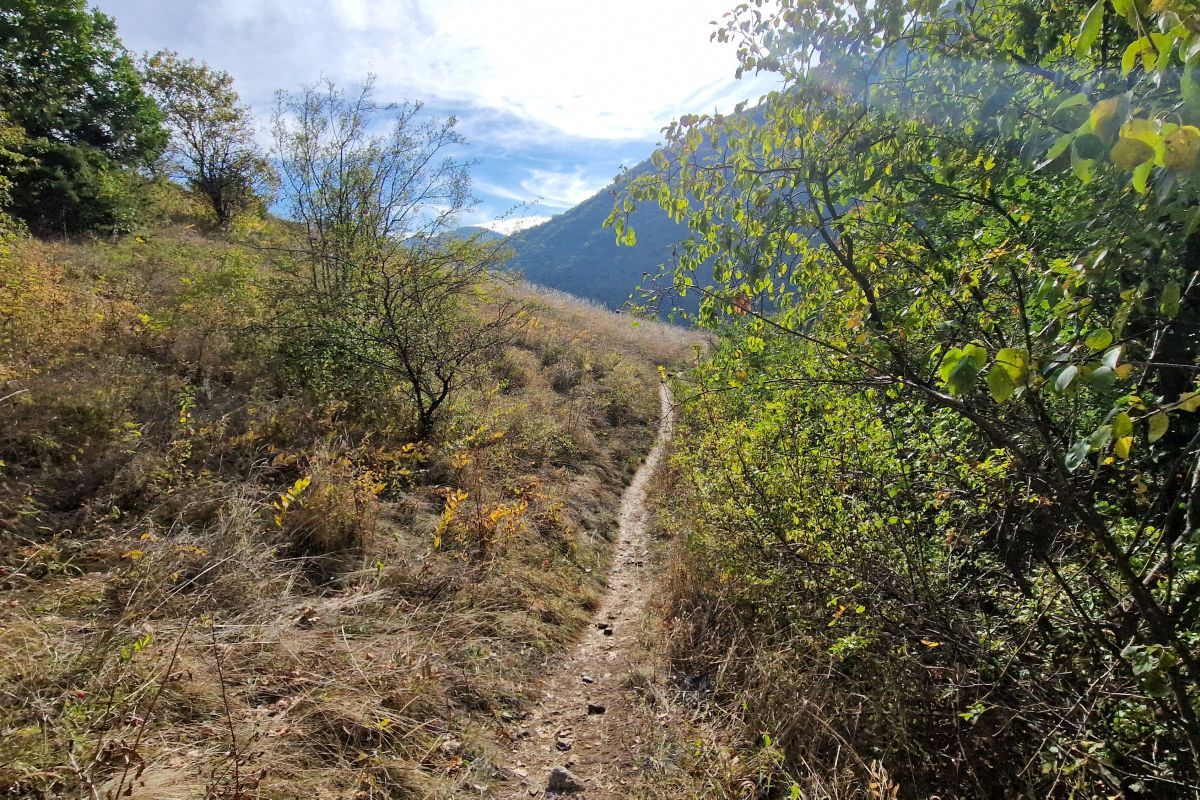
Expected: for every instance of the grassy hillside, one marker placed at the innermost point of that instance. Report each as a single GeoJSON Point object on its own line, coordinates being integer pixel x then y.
{"type": "Point", "coordinates": [215, 584]}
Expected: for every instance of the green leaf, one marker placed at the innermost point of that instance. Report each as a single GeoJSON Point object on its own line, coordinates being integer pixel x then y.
{"type": "Point", "coordinates": [1077, 455]}
{"type": "Point", "coordinates": [1060, 146]}
{"type": "Point", "coordinates": [1088, 146]}
{"type": "Point", "coordinates": [1077, 99]}
{"type": "Point", "coordinates": [1157, 426]}
{"type": "Point", "coordinates": [1189, 85]}
{"type": "Point", "coordinates": [1141, 176]}
{"type": "Point", "coordinates": [1013, 362]}
{"type": "Point", "coordinates": [1122, 425]}
{"type": "Point", "coordinates": [962, 376]}
{"type": "Point", "coordinates": [1000, 383]}
{"type": "Point", "coordinates": [1084, 168]}
{"type": "Point", "coordinates": [977, 354]}
{"type": "Point", "coordinates": [1090, 29]}
{"type": "Point", "coordinates": [1143, 48]}
{"type": "Point", "coordinates": [1102, 378]}
{"type": "Point", "coordinates": [1064, 379]}
{"type": "Point", "coordinates": [961, 366]}
{"type": "Point", "coordinates": [1168, 306]}
{"type": "Point", "coordinates": [1098, 340]}
{"type": "Point", "coordinates": [1101, 438]}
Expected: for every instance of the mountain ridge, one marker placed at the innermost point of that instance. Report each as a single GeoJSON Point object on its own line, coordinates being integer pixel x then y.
{"type": "Point", "coordinates": [575, 253]}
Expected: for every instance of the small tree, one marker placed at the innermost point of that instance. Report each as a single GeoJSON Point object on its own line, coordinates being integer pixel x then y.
{"type": "Point", "coordinates": [212, 148]}
{"type": "Point", "coordinates": [380, 280]}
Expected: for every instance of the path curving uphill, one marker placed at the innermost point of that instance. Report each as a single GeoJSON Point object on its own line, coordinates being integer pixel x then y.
{"type": "Point", "coordinates": [574, 743]}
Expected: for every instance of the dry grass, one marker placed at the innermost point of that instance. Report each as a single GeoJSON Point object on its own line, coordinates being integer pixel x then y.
{"type": "Point", "coordinates": [646, 340]}
{"type": "Point", "coordinates": [171, 631]}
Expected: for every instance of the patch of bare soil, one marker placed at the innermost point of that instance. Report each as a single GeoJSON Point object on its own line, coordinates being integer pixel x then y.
{"type": "Point", "coordinates": [578, 739]}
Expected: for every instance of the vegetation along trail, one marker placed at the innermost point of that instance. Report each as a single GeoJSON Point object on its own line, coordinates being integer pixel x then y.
{"type": "Point", "coordinates": [574, 741]}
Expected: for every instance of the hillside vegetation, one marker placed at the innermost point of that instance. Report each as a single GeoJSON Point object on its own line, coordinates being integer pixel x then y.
{"type": "Point", "coordinates": [290, 505]}
{"type": "Point", "coordinates": [309, 503]}
{"type": "Point", "coordinates": [217, 584]}
{"type": "Point", "coordinates": [938, 486]}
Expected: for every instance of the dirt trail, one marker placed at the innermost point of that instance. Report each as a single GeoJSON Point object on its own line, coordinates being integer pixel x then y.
{"type": "Point", "coordinates": [581, 722]}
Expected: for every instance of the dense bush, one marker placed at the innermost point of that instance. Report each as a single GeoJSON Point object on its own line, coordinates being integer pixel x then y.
{"type": "Point", "coordinates": [67, 81]}
{"type": "Point", "coordinates": [943, 466]}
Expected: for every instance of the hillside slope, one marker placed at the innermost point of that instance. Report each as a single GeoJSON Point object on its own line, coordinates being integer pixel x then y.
{"type": "Point", "coordinates": [214, 585]}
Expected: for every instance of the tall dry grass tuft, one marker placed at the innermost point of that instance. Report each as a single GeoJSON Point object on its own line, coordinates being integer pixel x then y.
{"type": "Point", "coordinates": [331, 511]}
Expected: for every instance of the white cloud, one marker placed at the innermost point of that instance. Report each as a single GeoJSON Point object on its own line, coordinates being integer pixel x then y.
{"type": "Point", "coordinates": [615, 70]}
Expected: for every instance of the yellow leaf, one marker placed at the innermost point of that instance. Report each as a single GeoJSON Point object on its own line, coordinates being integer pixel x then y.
{"type": "Point", "coordinates": [1102, 117]}
{"type": "Point", "coordinates": [1129, 154]}
{"type": "Point", "coordinates": [1122, 446]}
{"type": "Point", "coordinates": [1182, 149]}
{"type": "Point", "coordinates": [1142, 130]}
{"type": "Point", "coordinates": [1189, 401]}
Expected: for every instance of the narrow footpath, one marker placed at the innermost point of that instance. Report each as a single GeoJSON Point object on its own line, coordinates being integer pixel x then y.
{"type": "Point", "coordinates": [576, 740]}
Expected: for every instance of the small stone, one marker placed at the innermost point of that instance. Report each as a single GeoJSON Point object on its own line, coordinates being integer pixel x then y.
{"type": "Point", "coordinates": [587, 679]}
{"type": "Point", "coordinates": [562, 781]}
{"type": "Point", "coordinates": [608, 632]}
{"type": "Point", "coordinates": [595, 708]}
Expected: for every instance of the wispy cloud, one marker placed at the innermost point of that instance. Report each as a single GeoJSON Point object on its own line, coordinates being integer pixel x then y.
{"type": "Point", "coordinates": [550, 188]}
{"type": "Point", "coordinates": [617, 70]}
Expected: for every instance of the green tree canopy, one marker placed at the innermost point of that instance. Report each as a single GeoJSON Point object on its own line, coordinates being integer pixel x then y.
{"type": "Point", "coordinates": [68, 81]}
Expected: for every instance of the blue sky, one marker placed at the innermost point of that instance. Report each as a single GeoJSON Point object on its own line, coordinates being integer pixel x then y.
{"type": "Point", "coordinates": [553, 95]}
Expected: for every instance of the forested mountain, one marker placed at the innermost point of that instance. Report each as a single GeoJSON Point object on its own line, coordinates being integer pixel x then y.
{"type": "Point", "coordinates": [574, 252]}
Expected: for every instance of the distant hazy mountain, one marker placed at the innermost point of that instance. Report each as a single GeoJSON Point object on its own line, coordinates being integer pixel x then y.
{"type": "Point", "coordinates": [574, 252]}
{"type": "Point", "coordinates": [484, 234]}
